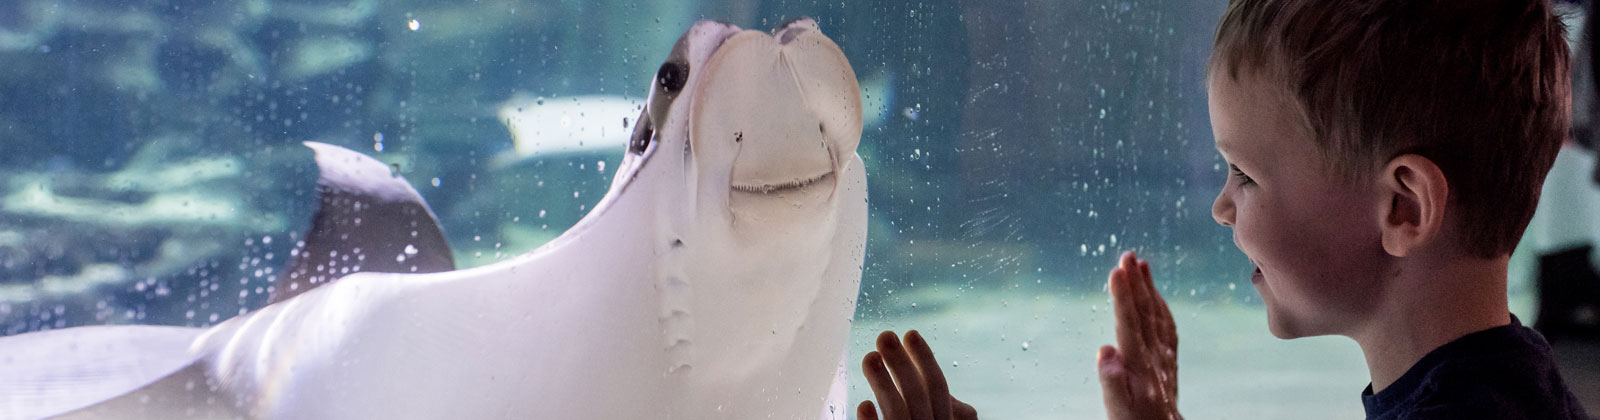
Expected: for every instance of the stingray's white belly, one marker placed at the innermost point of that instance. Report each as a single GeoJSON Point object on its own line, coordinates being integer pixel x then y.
{"type": "Point", "coordinates": [486, 349]}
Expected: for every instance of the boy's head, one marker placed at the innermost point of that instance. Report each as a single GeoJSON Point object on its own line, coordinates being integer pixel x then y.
{"type": "Point", "coordinates": [1325, 108]}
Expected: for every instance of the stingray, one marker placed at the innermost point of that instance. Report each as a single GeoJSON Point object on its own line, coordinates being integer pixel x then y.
{"type": "Point", "coordinates": [715, 280]}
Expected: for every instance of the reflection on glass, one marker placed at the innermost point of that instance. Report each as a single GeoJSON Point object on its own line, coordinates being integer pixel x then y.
{"type": "Point", "coordinates": [153, 172]}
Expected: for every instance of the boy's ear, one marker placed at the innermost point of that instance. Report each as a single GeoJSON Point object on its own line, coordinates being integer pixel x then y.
{"type": "Point", "coordinates": [1416, 194]}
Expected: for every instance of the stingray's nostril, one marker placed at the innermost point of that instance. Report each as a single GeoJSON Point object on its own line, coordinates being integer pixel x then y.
{"type": "Point", "coordinates": [786, 36]}
{"type": "Point", "coordinates": [793, 28]}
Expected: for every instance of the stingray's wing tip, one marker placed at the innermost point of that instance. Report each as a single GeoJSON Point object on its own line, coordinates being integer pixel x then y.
{"type": "Point", "coordinates": [51, 373]}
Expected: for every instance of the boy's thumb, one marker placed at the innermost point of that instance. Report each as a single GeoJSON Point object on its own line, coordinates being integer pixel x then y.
{"type": "Point", "coordinates": [1113, 382]}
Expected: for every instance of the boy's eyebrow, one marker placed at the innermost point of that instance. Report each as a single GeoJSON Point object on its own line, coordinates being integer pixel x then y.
{"type": "Point", "coordinates": [1227, 151]}
{"type": "Point", "coordinates": [1222, 147]}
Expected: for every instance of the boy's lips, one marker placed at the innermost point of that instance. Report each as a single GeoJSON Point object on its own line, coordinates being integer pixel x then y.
{"type": "Point", "coordinates": [1256, 277]}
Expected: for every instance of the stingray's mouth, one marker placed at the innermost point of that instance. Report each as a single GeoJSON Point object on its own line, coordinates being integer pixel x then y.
{"type": "Point", "coordinates": [791, 186]}
{"type": "Point", "coordinates": [782, 106]}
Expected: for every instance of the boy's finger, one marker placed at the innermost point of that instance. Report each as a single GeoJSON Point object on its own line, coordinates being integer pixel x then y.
{"type": "Point", "coordinates": [912, 387]}
{"type": "Point", "coordinates": [1165, 339]}
{"type": "Point", "coordinates": [1160, 331]}
{"type": "Point", "coordinates": [1166, 325]}
{"type": "Point", "coordinates": [938, 388]}
{"type": "Point", "coordinates": [1145, 296]}
{"type": "Point", "coordinates": [1145, 301]}
{"type": "Point", "coordinates": [882, 387]}
{"type": "Point", "coordinates": [1162, 311]}
{"type": "Point", "coordinates": [1163, 334]}
{"type": "Point", "coordinates": [1130, 337]}
{"type": "Point", "coordinates": [1113, 382]}
{"type": "Point", "coordinates": [866, 411]}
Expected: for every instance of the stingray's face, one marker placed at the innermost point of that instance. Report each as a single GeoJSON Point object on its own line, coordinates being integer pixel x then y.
{"type": "Point", "coordinates": [763, 127]}
{"type": "Point", "coordinates": [746, 151]}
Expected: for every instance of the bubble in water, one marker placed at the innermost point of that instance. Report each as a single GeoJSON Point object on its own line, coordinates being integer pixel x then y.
{"type": "Point", "coordinates": [414, 25]}
{"type": "Point", "coordinates": [411, 250]}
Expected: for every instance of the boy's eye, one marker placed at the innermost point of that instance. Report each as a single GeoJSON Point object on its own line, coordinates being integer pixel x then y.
{"type": "Point", "coordinates": [1240, 175]}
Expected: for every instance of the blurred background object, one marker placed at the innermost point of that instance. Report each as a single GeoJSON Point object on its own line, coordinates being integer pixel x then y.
{"type": "Point", "coordinates": [1560, 245]}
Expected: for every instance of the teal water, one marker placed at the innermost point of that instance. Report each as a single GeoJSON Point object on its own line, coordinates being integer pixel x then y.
{"type": "Point", "coordinates": [152, 173]}
{"type": "Point", "coordinates": [1006, 143]}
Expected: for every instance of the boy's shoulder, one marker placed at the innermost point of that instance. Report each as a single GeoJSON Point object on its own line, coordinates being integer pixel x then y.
{"type": "Point", "coordinates": [1506, 372]}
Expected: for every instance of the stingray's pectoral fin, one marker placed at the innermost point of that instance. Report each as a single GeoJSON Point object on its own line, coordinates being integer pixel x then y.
{"type": "Point", "coordinates": [367, 219]}
{"type": "Point", "coordinates": [837, 406]}
{"type": "Point", "coordinates": [81, 372]}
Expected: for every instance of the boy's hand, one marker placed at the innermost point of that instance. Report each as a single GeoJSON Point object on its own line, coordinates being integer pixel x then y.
{"type": "Point", "coordinates": [1139, 376]}
{"type": "Point", "coordinates": [922, 393]}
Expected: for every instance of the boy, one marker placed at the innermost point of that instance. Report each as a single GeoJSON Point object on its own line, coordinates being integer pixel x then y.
{"type": "Point", "coordinates": [1385, 157]}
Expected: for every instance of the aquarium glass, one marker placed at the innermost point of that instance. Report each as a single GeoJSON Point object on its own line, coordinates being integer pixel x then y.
{"type": "Point", "coordinates": [151, 167]}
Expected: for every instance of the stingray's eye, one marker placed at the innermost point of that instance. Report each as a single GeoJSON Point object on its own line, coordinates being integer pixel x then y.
{"type": "Point", "coordinates": [672, 76]}
{"type": "Point", "coordinates": [644, 132]}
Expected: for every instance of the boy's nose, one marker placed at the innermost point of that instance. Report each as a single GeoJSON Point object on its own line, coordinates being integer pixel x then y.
{"type": "Point", "coordinates": [1222, 209]}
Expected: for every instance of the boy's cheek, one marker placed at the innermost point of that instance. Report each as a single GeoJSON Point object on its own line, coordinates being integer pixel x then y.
{"type": "Point", "coordinates": [1250, 236]}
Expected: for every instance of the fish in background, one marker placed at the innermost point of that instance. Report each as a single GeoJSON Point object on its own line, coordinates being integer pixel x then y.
{"type": "Point", "coordinates": [592, 124]}
{"type": "Point", "coordinates": [715, 280]}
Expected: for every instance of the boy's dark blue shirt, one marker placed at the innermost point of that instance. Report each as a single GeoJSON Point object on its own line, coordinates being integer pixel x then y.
{"type": "Point", "coordinates": [1505, 372]}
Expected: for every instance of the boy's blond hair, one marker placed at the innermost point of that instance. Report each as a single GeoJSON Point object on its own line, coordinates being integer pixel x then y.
{"type": "Point", "coordinates": [1480, 87]}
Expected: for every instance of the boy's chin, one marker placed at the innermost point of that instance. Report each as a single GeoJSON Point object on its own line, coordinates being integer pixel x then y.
{"type": "Point", "coordinates": [1281, 331]}
{"type": "Point", "coordinates": [1284, 327]}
